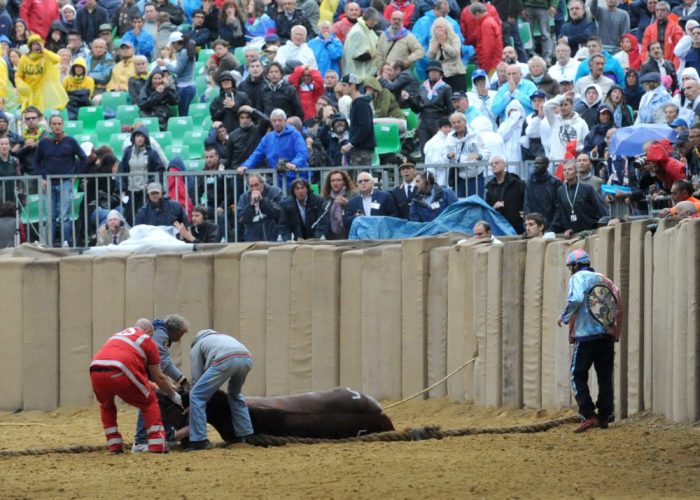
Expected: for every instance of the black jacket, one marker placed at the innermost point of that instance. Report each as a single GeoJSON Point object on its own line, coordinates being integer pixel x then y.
{"type": "Point", "coordinates": [403, 202]}
{"type": "Point", "coordinates": [541, 194]}
{"type": "Point", "coordinates": [205, 233]}
{"type": "Point", "coordinates": [157, 104]}
{"type": "Point", "coordinates": [282, 96]}
{"type": "Point", "coordinates": [89, 23]}
{"type": "Point", "coordinates": [253, 88]}
{"type": "Point", "coordinates": [163, 214]}
{"type": "Point", "coordinates": [362, 124]}
{"type": "Point", "coordinates": [440, 106]}
{"type": "Point", "coordinates": [292, 223]}
{"type": "Point", "coordinates": [405, 81]}
{"type": "Point", "coordinates": [284, 25]}
{"type": "Point", "coordinates": [260, 225]}
{"type": "Point", "coordinates": [512, 194]}
{"type": "Point", "coordinates": [243, 141]}
{"type": "Point", "coordinates": [228, 116]}
{"type": "Point", "coordinates": [588, 208]}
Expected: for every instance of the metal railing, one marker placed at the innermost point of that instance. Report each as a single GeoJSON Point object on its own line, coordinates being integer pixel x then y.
{"type": "Point", "coordinates": [78, 205]}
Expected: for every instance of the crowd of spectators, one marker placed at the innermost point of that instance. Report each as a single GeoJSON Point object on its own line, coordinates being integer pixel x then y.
{"type": "Point", "coordinates": [295, 85]}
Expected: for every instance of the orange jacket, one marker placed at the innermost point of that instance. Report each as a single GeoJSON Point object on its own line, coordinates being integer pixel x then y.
{"type": "Point", "coordinates": [673, 33]}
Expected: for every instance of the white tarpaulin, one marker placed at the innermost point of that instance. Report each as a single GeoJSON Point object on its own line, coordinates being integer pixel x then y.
{"type": "Point", "coordinates": [146, 239]}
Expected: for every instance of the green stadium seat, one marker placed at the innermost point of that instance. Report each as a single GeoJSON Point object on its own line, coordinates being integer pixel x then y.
{"type": "Point", "coordinates": [112, 100]}
{"type": "Point", "coordinates": [198, 65]}
{"type": "Point", "coordinates": [194, 165]}
{"type": "Point", "coordinates": [73, 127]}
{"type": "Point", "coordinates": [470, 69]}
{"type": "Point", "coordinates": [195, 140]}
{"type": "Point", "coordinates": [116, 142]}
{"type": "Point", "coordinates": [411, 119]}
{"type": "Point", "coordinates": [164, 139]}
{"type": "Point", "coordinates": [105, 128]}
{"type": "Point", "coordinates": [375, 158]}
{"type": "Point", "coordinates": [206, 124]}
{"type": "Point", "coordinates": [177, 150]}
{"type": "Point", "coordinates": [238, 52]}
{"type": "Point", "coordinates": [90, 115]}
{"type": "Point", "coordinates": [205, 54]}
{"type": "Point", "coordinates": [178, 125]}
{"type": "Point", "coordinates": [184, 27]}
{"type": "Point", "coordinates": [149, 122]}
{"type": "Point", "coordinates": [387, 137]}
{"type": "Point", "coordinates": [127, 113]}
{"type": "Point", "coordinates": [198, 111]}
{"type": "Point", "coordinates": [34, 209]}
{"type": "Point", "coordinates": [525, 34]}
{"type": "Point", "coordinates": [84, 137]}
{"type": "Point", "coordinates": [50, 112]}
{"type": "Point", "coordinates": [200, 84]}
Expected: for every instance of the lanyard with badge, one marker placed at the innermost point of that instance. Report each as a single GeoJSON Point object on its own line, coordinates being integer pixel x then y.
{"type": "Point", "coordinates": [572, 203]}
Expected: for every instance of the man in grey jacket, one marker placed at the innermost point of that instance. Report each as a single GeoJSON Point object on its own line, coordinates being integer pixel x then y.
{"type": "Point", "coordinates": [166, 331]}
{"type": "Point", "coordinates": [217, 358]}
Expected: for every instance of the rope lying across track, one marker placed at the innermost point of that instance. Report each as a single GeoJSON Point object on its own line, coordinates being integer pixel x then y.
{"type": "Point", "coordinates": [415, 434]}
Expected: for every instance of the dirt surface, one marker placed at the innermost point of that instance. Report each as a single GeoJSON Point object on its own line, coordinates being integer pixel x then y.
{"type": "Point", "coordinates": [642, 457]}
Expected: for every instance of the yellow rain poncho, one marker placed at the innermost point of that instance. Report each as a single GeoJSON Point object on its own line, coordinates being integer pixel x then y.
{"type": "Point", "coordinates": [7, 91]}
{"type": "Point", "coordinates": [38, 79]}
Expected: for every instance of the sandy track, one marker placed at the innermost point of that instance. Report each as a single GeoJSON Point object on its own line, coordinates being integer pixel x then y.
{"type": "Point", "coordinates": [642, 457]}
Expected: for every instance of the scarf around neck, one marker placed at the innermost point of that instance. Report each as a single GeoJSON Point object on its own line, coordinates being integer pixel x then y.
{"type": "Point", "coordinates": [432, 92]}
{"type": "Point", "coordinates": [394, 37]}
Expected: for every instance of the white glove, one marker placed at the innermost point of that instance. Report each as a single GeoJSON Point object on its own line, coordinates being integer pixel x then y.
{"type": "Point", "coordinates": [176, 398]}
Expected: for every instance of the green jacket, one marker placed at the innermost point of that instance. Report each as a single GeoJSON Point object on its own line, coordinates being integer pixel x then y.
{"type": "Point", "coordinates": [383, 102]}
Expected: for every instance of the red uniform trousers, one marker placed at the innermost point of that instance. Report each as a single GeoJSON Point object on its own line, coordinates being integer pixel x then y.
{"type": "Point", "coordinates": [107, 385]}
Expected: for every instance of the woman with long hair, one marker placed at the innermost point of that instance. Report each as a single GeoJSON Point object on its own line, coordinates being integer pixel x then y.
{"type": "Point", "coordinates": [446, 47]}
{"type": "Point", "coordinates": [20, 33]}
{"type": "Point", "coordinates": [231, 24]}
{"type": "Point", "coordinates": [623, 116]}
{"type": "Point", "coordinates": [257, 23]}
{"type": "Point", "coordinates": [337, 190]}
{"type": "Point", "coordinates": [183, 69]}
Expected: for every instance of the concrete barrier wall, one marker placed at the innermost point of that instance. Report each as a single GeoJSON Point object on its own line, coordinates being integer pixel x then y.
{"type": "Point", "coordinates": [387, 318]}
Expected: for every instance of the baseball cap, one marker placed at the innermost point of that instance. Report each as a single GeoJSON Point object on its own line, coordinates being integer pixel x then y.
{"type": "Point", "coordinates": [175, 36]}
{"type": "Point", "coordinates": [538, 93]}
{"type": "Point", "coordinates": [154, 187]}
{"type": "Point", "coordinates": [351, 79]}
{"type": "Point", "coordinates": [679, 122]}
{"type": "Point", "coordinates": [684, 136]}
{"type": "Point", "coordinates": [459, 95]}
{"type": "Point", "coordinates": [126, 43]}
{"type": "Point", "coordinates": [105, 27]}
{"type": "Point", "coordinates": [478, 73]}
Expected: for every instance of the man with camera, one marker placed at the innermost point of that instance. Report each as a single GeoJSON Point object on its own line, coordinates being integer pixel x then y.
{"type": "Point", "coordinates": [258, 210]}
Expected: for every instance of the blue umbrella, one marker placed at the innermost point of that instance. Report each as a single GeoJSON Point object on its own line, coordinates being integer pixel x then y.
{"type": "Point", "coordinates": [628, 141]}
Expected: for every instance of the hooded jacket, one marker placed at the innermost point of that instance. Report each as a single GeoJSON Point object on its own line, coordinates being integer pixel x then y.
{"type": "Point", "coordinates": [634, 56]}
{"type": "Point", "coordinates": [52, 45]}
{"type": "Point", "coordinates": [228, 116]}
{"type": "Point", "coordinates": [595, 140]}
{"type": "Point", "coordinates": [589, 111]}
{"type": "Point", "coordinates": [144, 43]}
{"type": "Point", "coordinates": [651, 106]}
{"type": "Point", "coordinates": [383, 101]}
{"type": "Point", "coordinates": [74, 83]}
{"type": "Point", "coordinates": [672, 35]}
{"type": "Point", "coordinates": [362, 124]}
{"type": "Point", "coordinates": [541, 195]}
{"type": "Point", "coordinates": [138, 179]}
{"type": "Point", "coordinates": [563, 130]}
{"type": "Point", "coordinates": [671, 171]}
{"type": "Point", "coordinates": [622, 113]}
{"type": "Point", "coordinates": [177, 185]}
{"type": "Point", "coordinates": [38, 79]}
{"type": "Point", "coordinates": [359, 49]}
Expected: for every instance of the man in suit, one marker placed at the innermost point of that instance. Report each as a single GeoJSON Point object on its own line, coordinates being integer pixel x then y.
{"type": "Point", "coordinates": [403, 194]}
{"type": "Point", "coordinates": [370, 201]}
{"type": "Point", "coordinates": [301, 213]}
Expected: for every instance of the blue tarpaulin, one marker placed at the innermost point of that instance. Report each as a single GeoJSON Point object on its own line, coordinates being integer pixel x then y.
{"type": "Point", "coordinates": [459, 217]}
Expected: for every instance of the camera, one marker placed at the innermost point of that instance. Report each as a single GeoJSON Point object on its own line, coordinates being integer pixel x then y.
{"type": "Point", "coordinates": [639, 161]}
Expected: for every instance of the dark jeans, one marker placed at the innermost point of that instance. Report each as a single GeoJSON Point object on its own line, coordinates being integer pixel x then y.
{"type": "Point", "coordinates": [601, 354]}
{"type": "Point", "coordinates": [186, 95]}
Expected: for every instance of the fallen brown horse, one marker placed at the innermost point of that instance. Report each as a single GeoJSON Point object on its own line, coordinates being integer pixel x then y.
{"type": "Point", "coordinates": [334, 414]}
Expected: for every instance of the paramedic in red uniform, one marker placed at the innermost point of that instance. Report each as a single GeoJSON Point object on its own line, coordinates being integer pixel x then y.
{"type": "Point", "coordinates": [119, 369]}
